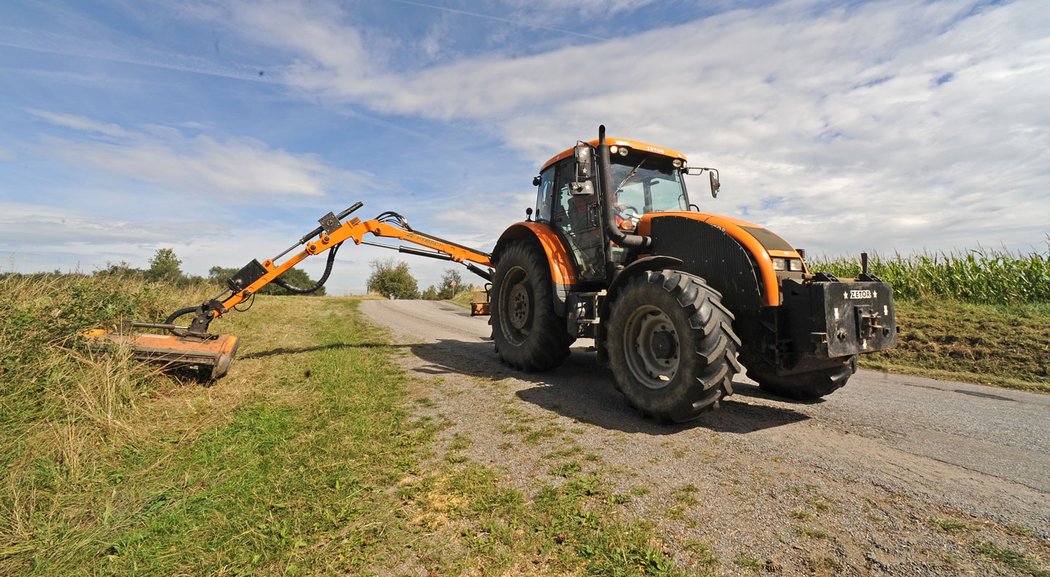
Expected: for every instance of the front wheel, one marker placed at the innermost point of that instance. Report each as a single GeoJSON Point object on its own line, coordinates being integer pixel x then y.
{"type": "Point", "coordinates": [806, 386]}
{"type": "Point", "coordinates": [671, 345]}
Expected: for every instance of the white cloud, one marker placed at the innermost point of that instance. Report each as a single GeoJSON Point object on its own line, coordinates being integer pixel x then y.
{"type": "Point", "coordinates": [865, 118]}
{"type": "Point", "coordinates": [199, 164]}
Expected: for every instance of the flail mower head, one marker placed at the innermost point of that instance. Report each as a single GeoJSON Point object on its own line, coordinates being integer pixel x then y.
{"type": "Point", "coordinates": [183, 347]}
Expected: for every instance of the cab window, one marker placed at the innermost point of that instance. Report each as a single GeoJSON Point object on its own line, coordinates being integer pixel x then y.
{"type": "Point", "coordinates": [544, 194]}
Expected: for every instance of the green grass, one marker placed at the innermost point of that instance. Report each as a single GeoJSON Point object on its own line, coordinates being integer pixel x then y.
{"type": "Point", "coordinates": [1006, 346]}
{"type": "Point", "coordinates": [284, 473]}
{"type": "Point", "coordinates": [749, 563]}
{"type": "Point", "coordinates": [306, 459]}
{"type": "Point", "coordinates": [949, 525]}
{"type": "Point", "coordinates": [1017, 561]}
{"type": "Point", "coordinates": [40, 316]}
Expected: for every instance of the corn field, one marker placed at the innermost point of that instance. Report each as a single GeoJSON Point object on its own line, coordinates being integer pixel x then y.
{"type": "Point", "coordinates": [980, 276]}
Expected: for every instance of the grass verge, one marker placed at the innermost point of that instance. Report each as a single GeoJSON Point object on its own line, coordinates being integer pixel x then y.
{"type": "Point", "coordinates": [280, 468]}
{"type": "Point", "coordinates": [305, 460]}
{"type": "Point", "coordinates": [1007, 346]}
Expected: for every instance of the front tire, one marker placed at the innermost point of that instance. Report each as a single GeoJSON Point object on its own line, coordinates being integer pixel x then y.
{"type": "Point", "coordinates": [528, 333]}
{"type": "Point", "coordinates": [671, 345]}
{"type": "Point", "coordinates": [807, 386]}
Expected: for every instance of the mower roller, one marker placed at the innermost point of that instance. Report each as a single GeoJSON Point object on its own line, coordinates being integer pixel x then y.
{"type": "Point", "coordinates": [211, 356]}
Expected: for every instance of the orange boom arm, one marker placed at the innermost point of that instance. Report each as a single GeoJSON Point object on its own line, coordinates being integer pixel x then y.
{"type": "Point", "coordinates": [194, 346]}
{"type": "Point", "coordinates": [328, 237]}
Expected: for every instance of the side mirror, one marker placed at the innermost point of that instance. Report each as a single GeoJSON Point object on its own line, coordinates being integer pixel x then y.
{"type": "Point", "coordinates": [584, 188]}
{"type": "Point", "coordinates": [584, 161]}
{"type": "Point", "coordinates": [536, 180]}
{"type": "Point", "coordinates": [712, 175]}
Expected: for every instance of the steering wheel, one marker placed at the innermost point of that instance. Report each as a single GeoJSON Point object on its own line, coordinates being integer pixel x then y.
{"type": "Point", "coordinates": [629, 213]}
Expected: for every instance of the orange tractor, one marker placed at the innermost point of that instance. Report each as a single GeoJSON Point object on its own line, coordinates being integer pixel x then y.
{"type": "Point", "coordinates": [616, 251]}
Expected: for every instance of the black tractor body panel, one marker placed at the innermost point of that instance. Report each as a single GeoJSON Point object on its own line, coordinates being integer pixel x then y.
{"type": "Point", "coordinates": [710, 253]}
{"type": "Point", "coordinates": [820, 320]}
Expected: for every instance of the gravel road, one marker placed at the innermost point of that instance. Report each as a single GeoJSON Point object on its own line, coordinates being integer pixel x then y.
{"type": "Point", "coordinates": [892, 475]}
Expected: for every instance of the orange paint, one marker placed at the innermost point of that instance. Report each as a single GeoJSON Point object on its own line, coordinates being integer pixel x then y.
{"type": "Point", "coordinates": [562, 271]}
{"type": "Point", "coordinates": [355, 230]}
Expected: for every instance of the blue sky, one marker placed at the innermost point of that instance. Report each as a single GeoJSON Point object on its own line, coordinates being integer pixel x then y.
{"type": "Point", "coordinates": [224, 129]}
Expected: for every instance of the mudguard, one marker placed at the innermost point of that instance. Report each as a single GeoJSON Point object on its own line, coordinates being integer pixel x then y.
{"type": "Point", "coordinates": [563, 275]}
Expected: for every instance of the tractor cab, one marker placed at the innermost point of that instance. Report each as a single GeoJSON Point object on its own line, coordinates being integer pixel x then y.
{"type": "Point", "coordinates": [646, 178]}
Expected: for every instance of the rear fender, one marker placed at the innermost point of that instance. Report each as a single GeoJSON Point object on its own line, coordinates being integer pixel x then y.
{"type": "Point", "coordinates": [563, 275]}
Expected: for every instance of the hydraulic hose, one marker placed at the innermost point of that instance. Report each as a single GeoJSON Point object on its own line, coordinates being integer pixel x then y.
{"type": "Point", "coordinates": [320, 282]}
{"type": "Point", "coordinates": [196, 311]}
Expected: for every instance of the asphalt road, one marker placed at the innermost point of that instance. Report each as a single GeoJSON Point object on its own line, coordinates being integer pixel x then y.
{"type": "Point", "coordinates": [977, 448]}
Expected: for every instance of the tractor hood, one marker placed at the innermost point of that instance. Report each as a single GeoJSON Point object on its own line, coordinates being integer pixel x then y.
{"type": "Point", "coordinates": [761, 243]}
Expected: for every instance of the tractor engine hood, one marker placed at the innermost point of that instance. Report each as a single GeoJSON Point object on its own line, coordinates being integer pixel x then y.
{"type": "Point", "coordinates": [762, 244]}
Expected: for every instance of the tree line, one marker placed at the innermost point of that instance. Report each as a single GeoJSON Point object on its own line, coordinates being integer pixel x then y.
{"type": "Point", "coordinates": [165, 267]}
{"type": "Point", "coordinates": [389, 278]}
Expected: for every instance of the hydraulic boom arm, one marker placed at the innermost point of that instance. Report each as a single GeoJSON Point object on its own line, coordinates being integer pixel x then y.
{"type": "Point", "coordinates": [332, 233]}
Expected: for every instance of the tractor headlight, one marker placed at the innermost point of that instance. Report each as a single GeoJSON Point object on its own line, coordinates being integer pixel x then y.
{"type": "Point", "coordinates": [784, 264]}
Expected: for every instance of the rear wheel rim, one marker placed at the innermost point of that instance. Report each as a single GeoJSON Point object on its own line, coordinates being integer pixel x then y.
{"type": "Point", "coordinates": [651, 347]}
{"type": "Point", "coordinates": [516, 304]}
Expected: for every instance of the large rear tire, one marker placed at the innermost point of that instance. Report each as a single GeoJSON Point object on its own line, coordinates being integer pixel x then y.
{"type": "Point", "coordinates": [528, 332]}
{"type": "Point", "coordinates": [807, 386]}
{"type": "Point", "coordinates": [671, 345]}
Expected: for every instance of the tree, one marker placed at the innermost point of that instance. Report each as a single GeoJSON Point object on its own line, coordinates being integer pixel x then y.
{"type": "Point", "coordinates": [391, 278]}
{"type": "Point", "coordinates": [431, 294]}
{"type": "Point", "coordinates": [220, 274]}
{"type": "Point", "coordinates": [164, 266]}
{"type": "Point", "coordinates": [451, 283]}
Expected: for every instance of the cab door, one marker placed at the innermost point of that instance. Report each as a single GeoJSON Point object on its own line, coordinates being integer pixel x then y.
{"type": "Point", "coordinates": [577, 219]}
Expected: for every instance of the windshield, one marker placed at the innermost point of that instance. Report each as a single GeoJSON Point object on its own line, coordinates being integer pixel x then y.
{"type": "Point", "coordinates": [648, 183]}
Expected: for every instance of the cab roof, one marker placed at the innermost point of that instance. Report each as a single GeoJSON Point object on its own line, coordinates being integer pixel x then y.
{"type": "Point", "coordinates": [631, 144]}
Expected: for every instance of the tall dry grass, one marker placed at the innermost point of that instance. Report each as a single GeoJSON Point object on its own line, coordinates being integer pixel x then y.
{"type": "Point", "coordinates": [60, 404]}
{"type": "Point", "coordinates": [40, 316]}
{"type": "Point", "coordinates": [979, 276]}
